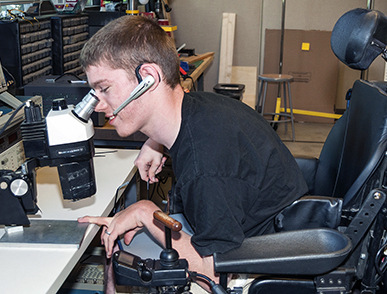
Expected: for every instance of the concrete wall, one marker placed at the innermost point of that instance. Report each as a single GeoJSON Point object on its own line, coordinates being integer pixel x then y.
{"type": "Point", "coordinates": [199, 26]}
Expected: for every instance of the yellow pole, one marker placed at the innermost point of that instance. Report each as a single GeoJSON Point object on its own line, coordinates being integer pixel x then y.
{"type": "Point", "coordinates": [312, 113]}
{"type": "Point", "coordinates": [277, 108]}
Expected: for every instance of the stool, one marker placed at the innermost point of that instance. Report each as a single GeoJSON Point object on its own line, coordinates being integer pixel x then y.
{"type": "Point", "coordinates": [285, 81]}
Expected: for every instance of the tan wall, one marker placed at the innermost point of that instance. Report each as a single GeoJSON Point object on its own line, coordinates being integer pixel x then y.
{"type": "Point", "coordinates": [199, 26]}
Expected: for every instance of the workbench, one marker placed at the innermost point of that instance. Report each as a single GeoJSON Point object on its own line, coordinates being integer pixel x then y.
{"type": "Point", "coordinates": [42, 268]}
{"type": "Point", "coordinates": [197, 74]}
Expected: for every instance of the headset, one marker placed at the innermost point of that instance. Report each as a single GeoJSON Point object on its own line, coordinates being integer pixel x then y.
{"type": "Point", "coordinates": [144, 85]}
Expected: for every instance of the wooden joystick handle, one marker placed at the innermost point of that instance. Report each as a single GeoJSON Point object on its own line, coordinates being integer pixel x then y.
{"type": "Point", "coordinates": [168, 221]}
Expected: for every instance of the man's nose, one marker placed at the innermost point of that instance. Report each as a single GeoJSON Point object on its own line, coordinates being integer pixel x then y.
{"type": "Point", "coordinates": [101, 106]}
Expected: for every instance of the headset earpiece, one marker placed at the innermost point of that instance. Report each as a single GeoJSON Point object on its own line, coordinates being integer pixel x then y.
{"type": "Point", "coordinates": [138, 76]}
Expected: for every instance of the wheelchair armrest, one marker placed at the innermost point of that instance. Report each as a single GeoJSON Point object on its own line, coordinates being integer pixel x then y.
{"type": "Point", "coordinates": [304, 252]}
{"type": "Point", "coordinates": [308, 167]}
{"type": "Point", "coordinates": [310, 212]}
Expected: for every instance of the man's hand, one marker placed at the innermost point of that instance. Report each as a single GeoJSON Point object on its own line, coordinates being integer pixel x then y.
{"type": "Point", "coordinates": [127, 221]}
{"type": "Point", "coordinates": [150, 160]}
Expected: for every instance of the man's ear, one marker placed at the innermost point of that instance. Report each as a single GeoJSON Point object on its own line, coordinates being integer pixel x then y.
{"type": "Point", "coordinates": [149, 69]}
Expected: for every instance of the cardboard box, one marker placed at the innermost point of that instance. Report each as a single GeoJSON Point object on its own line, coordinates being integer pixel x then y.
{"type": "Point", "coordinates": [308, 57]}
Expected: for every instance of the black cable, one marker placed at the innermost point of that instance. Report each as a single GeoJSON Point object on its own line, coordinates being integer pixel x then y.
{"type": "Point", "coordinates": [160, 191]}
{"type": "Point", "coordinates": [378, 259]}
{"type": "Point", "coordinates": [167, 7]}
{"type": "Point", "coordinates": [203, 276]}
{"type": "Point", "coordinates": [189, 77]}
{"type": "Point", "coordinates": [215, 288]}
{"type": "Point", "coordinates": [11, 118]}
{"type": "Point", "coordinates": [68, 73]}
{"type": "Point", "coordinates": [11, 76]}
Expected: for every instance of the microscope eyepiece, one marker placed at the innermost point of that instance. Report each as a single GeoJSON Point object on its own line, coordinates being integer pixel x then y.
{"type": "Point", "coordinates": [85, 108]}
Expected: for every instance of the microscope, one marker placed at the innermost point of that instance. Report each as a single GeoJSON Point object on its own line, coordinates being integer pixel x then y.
{"type": "Point", "coordinates": [62, 139]}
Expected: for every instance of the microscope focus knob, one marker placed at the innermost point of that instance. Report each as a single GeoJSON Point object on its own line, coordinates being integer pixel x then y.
{"type": "Point", "coordinates": [19, 187]}
{"type": "Point", "coordinates": [59, 104]}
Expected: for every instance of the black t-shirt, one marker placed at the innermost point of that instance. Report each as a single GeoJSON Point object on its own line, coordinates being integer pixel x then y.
{"type": "Point", "coordinates": [233, 172]}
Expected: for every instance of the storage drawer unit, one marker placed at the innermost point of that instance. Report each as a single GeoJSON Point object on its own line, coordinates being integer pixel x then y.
{"type": "Point", "coordinates": [70, 33]}
{"type": "Point", "coordinates": [25, 49]}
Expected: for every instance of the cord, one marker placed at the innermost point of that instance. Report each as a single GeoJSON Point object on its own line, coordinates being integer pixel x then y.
{"type": "Point", "coordinates": [11, 118]}
{"type": "Point", "coordinates": [67, 73]}
{"type": "Point", "coordinates": [167, 7]}
{"type": "Point", "coordinates": [378, 260]}
{"type": "Point", "coordinates": [9, 82]}
{"type": "Point", "coordinates": [215, 288]}
{"type": "Point", "coordinates": [22, 17]}
{"type": "Point", "coordinates": [193, 82]}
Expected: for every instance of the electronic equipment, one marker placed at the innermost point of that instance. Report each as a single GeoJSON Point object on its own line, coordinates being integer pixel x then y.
{"type": "Point", "coordinates": [169, 273]}
{"type": "Point", "coordinates": [63, 139]}
{"type": "Point", "coordinates": [26, 48]}
{"type": "Point", "coordinates": [69, 87]}
{"type": "Point", "coordinates": [11, 146]}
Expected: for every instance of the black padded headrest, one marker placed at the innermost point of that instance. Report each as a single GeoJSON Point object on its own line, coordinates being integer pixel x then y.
{"type": "Point", "coordinates": [359, 36]}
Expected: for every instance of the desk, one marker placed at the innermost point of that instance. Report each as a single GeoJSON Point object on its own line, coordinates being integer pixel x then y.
{"type": "Point", "coordinates": [43, 269]}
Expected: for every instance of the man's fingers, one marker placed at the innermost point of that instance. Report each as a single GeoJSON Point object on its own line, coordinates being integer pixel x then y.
{"type": "Point", "coordinates": [109, 239]}
{"type": "Point", "coordinates": [129, 236]}
{"type": "Point", "coordinates": [154, 169]}
{"type": "Point", "coordinates": [161, 165]}
{"type": "Point", "coordinates": [101, 221]}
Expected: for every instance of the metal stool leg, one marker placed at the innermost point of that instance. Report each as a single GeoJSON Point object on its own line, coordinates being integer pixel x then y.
{"type": "Point", "coordinates": [259, 97]}
{"type": "Point", "coordinates": [281, 80]}
{"type": "Point", "coordinates": [264, 98]}
{"type": "Point", "coordinates": [285, 105]}
{"type": "Point", "coordinates": [291, 112]}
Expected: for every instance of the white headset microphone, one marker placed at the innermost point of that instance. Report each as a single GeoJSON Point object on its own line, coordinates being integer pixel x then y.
{"type": "Point", "coordinates": [144, 86]}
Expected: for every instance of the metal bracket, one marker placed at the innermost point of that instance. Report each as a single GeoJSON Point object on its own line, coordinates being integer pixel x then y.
{"type": "Point", "coordinates": [365, 216]}
{"type": "Point", "coordinates": [336, 282]}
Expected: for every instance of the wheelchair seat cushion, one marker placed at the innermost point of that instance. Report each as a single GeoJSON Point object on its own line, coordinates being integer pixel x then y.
{"type": "Point", "coordinates": [358, 37]}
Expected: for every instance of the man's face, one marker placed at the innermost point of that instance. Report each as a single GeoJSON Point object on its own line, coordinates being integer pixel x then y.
{"type": "Point", "coordinates": [113, 87]}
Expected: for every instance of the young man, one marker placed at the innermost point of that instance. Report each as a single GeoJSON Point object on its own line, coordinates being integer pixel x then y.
{"type": "Point", "coordinates": [233, 172]}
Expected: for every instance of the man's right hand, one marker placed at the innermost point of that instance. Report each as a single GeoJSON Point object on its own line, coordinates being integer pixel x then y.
{"type": "Point", "coordinates": [150, 161]}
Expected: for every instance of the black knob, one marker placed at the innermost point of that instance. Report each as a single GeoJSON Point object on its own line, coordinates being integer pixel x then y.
{"type": "Point", "coordinates": [146, 275]}
{"type": "Point", "coordinates": [169, 258]}
{"type": "Point", "coordinates": [59, 104]}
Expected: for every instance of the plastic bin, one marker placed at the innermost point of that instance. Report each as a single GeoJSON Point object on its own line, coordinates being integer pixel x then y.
{"type": "Point", "coordinates": [232, 90]}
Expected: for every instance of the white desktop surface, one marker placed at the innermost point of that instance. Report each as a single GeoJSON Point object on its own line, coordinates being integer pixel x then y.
{"type": "Point", "coordinates": [43, 269]}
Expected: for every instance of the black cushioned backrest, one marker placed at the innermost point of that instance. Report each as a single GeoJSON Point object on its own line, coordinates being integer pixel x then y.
{"type": "Point", "coordinates": [344, 168]}
{"type": "Point", "coordinates": [365, 141]}
{"type": "Point", "coordinates": [329, 159]}
{"type": "Point", "coordinates": [359, 36]}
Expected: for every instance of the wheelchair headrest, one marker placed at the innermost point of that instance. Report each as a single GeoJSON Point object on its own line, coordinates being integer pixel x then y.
{"type": "Point", "coordinates": [359, 36]}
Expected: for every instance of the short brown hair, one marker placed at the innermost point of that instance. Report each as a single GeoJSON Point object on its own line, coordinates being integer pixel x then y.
{"type": "Point", "coordinates": [129, 41]}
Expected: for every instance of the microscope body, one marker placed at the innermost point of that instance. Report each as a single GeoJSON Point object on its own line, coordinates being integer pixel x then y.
{"type": "Point", "coordinates": [64, 139]}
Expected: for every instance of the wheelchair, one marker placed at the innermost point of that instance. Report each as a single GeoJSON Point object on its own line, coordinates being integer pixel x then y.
{"type": "Point", "coordinates": [335, 239]}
